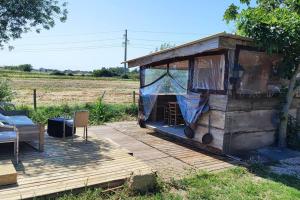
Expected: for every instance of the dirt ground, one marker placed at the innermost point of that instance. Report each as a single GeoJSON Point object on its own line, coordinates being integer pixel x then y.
{"type": "Point", "coordinates": [62, 91]}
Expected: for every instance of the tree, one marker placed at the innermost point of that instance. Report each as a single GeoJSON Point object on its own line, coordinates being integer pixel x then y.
{"type": "Point", "coordinates": [164, 46]}
{"type": "Point", "coordinates": [103, 73]}
{"type": "Point", "coordinates": [18, 17]}
{"type": "Point", "coordinates": [25, 67]}
{"type": "Point", "coordinates": [6, 93]}
{"type": "Point", "coordinates": [275, 26]}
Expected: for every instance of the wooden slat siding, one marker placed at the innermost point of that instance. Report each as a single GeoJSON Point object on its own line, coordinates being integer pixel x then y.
{"type": "Point", "coordinates": [217, 119]}
{"type": "Point", "coordinates": [252, 121]}
{"type": "Point", "coordinates": [248, 104]}
{"type": "Point", "coordinates": [237, 143]}
{"type": "Point", "coordinates": [67, 165]}
{"type": "Point", "coordinates": [220, 41]}
{"type": "Point", "coordinates": [218, 102]}
{"type": "Point", "coordinates": [217, 134]}
{"type": "Point", "coordinates": [178, 52]}
{"type": "Point", "coordinates": [230, 43]}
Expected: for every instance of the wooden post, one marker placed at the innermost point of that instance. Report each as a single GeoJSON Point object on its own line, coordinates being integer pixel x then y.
{"type": "Point", "coordinates": [34, 99]}
{"type": "Point", "coordinates": [133, 97]}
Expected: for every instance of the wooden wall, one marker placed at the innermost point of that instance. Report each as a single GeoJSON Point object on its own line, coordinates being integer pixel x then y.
{"type": "Point", "coordinates": [251, 123]}
{"type": "Point", "coordinates": [218, 104]}
{"type": "Point", "coordinates": [240, 125]}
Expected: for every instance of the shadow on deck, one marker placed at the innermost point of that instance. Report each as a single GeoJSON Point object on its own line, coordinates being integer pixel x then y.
{"type": "Point", "coordinates": [68, 165]}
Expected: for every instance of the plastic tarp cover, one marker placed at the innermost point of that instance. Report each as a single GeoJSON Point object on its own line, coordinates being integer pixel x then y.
{"type": "Point", "coordinates": [192, 106]}
{"type": "Point", "coordinates": [256, 70]}
{"type": "Point", "coordinates": [179, 71]}
{"type": "Point", "coordinates": [209, 72]}
{"type": "Point", "coordinates": [166, 85]}
{"type": "Point", "coordinates": [151, 74]}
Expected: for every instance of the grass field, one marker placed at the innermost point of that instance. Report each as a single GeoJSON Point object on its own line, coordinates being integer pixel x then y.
{"type": "Point", "coordinates": [72, 91]}
{"type": "Point", "coordinates": [57, 90]}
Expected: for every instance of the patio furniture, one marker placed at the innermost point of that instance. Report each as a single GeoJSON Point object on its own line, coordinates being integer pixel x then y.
{"type": "Point", "coordinates": [174, 113]}
{"type": "Point", "coordinates": [9, 109]}
{"type": "Point", "coordinates": [60, 127]}
{"type": "Point", "coordinates": [11, 135]}
{"type": "Point", "coordinates": [29, 132]}
{"type": "Point", "coordinates": [81, 119]}
{"type": "Point", "coordinates": [166, 114]}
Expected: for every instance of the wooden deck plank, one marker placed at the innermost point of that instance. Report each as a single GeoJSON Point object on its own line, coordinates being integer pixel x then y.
{"type": "Point", "coordinates": [68, 165]}
{"type": "Point", "coordinates": [185, 156]}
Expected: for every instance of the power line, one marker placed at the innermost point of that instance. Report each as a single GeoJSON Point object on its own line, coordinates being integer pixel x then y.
{"type": "Point", "coordinates": [78, 42]}
{"type": "Point", "coordinates": [153, 40]}
{"type": "Point", "coordinates": [79, 34]}
{"type": "Point", "coordinates": [67, 49]}
{"type": "Point", "coordinates": [172, 33]}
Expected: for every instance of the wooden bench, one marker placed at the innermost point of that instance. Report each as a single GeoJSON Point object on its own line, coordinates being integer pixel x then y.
{"type": "Point", "coordinates": [8, 174]}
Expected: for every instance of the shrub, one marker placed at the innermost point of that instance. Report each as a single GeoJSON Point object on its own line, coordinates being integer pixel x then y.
{"type": "Point", "coordinates": [25, 67]}
{"type": "Point", "coordinates": [6, 93]}
{"type": "Point", "coordinates": [57, 73]}
{"type": "Point", "coordinates": [99, 112]}
{"type": "Point", "coordinates": [103, 73]}
{"type": "Point", "coordinates": [125, 76]}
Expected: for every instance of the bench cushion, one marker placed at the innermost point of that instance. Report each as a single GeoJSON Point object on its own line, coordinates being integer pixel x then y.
{"type": "Point", "coordinates": [6, 136]}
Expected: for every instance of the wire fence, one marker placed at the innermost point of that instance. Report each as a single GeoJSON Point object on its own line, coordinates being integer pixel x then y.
{"type": "Point", "coordinates": [35, 98]}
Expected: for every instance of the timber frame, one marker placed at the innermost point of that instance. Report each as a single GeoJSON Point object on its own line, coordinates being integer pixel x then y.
{"type": "Point", "coordinates": [238, 123]}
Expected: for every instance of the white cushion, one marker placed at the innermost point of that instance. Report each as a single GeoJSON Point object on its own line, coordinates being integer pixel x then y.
{"type": "Point", "coordinates": [7, 136]}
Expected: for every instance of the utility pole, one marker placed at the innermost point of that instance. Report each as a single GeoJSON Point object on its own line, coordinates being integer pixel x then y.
{"type": "Point", "coordinates": [125, 50]}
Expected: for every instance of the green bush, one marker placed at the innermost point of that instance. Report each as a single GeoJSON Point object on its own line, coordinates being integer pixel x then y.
{"type": "Point", "coordinates": [57, 73]}
{"type": "Point", "coordinates": [6, 93]}
{"type": "Point", "coordinates": [125, 76]}
{"type": "Point", "coordinates": [25, 67]}
{"type": "Point", "coordinates": [99, 112]}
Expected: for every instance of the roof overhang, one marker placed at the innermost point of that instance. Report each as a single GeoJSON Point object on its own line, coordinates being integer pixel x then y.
{"type": "Point", "coordinates": [214, 42]}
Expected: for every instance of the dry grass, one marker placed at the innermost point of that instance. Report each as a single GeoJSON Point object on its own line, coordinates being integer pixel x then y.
{"type": "Point", "coordinates": [61, 91]}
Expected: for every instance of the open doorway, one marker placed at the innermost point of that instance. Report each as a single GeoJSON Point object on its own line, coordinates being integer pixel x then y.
{"type": "Point", "coordinates": [166, 116]}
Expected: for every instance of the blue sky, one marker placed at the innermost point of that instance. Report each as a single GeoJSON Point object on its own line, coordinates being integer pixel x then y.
{"type": "Point", "coordinates": [93, 34]}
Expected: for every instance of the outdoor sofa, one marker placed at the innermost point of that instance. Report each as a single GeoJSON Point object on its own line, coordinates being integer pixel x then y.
{"type": "Point", "coordinates": [29, 132]}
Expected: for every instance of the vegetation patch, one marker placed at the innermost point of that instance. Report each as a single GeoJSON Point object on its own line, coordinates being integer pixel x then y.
{"type": "Point", "coordinates": [99, 112]}
{"type": "Point", "coordinates": [236, 183]}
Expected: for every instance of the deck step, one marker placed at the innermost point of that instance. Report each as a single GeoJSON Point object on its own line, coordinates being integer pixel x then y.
{"type": "Point", "coordinates": [8, 174]}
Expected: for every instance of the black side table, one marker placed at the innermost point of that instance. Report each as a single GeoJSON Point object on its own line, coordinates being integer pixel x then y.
{"type": "Point", "coordinates": [58, 126]}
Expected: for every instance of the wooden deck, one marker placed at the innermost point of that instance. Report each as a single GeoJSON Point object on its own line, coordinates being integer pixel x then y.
{"type": "Point", "coordinates": [69, 165]}
{"type": "Point", "coordinates": [171, 159]}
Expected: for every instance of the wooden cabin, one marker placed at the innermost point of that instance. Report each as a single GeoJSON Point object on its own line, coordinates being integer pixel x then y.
{"type": "Point", "coordinates": [224, 93]}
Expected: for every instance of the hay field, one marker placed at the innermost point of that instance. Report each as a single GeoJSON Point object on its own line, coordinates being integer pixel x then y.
{"type": "Point", "coordinates": [71, 91]}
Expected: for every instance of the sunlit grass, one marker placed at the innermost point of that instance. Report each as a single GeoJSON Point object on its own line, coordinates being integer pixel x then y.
{"type": "Point", "coordinates": [234, 184]}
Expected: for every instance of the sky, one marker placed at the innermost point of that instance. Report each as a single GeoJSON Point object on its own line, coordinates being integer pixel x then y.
{"type": "Point", "coordinates": [92, 36]}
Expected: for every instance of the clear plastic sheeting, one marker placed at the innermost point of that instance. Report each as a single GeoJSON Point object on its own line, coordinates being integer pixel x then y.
{"type": "Point", "coordinates": [148, 102]}
{"type": "Point", "coordinates": [209, 72]}
{"type": "Point", "coordinates": [256, 68]}
{"type": "Point", "coordinates": [179, 71]}
{"type": "Point", "coordinates": [172, 79]}
{"type": "Point", "coordinates": [165, 85]}
{"type": "Point", "coordinates": [151, 74]}
{"type": "Point", "coordinates": [192, 106]}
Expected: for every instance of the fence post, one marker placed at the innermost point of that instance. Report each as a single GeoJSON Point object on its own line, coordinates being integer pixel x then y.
{"type": "Point", "coordinates": [133, 97]}
{"type": "Point", "coordinates": [34, 99]}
